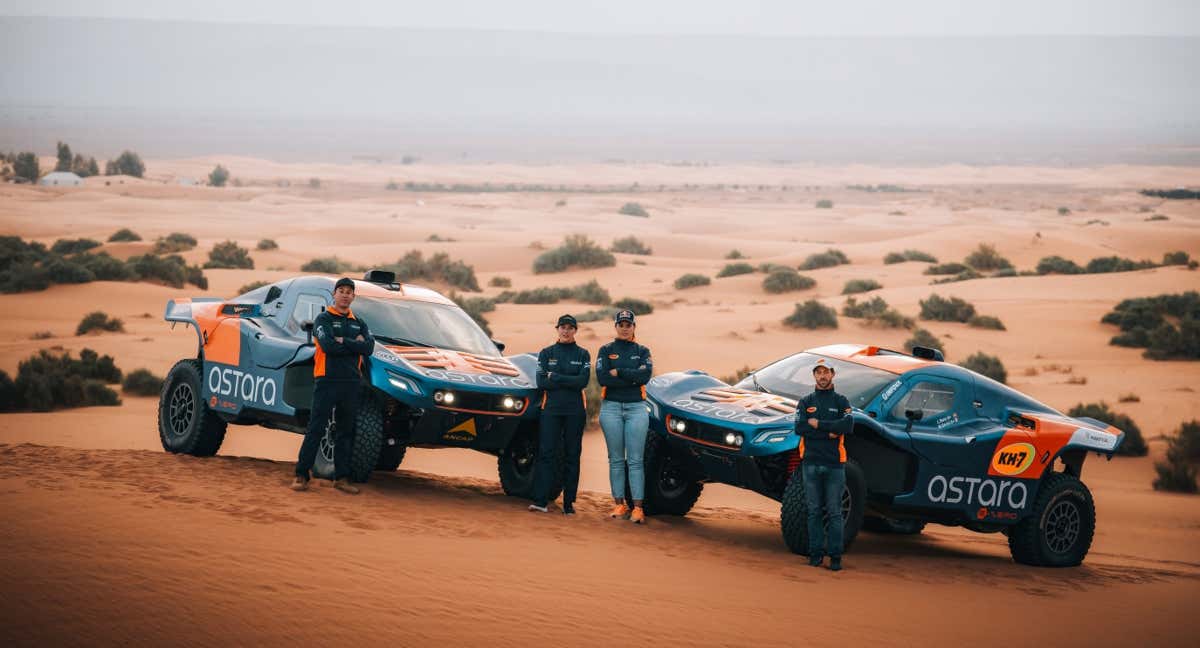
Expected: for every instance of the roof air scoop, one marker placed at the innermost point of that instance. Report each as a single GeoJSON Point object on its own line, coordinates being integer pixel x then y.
{"type": "Point", "coordinates": [926, 353]}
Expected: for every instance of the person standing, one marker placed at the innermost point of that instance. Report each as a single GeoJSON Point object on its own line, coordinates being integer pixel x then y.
{"type": "Point", "coordinates": [623, 367]}
{"type": "Point", "coordinates": [342, 342]}
{"type": "Point", "coordinates": [822, 420]}
{"type": "Point", "coordinates": [564, 370]}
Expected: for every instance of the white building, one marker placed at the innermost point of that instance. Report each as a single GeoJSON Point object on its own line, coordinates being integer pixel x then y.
{"type": "Point", "coordinates": [61, 179]}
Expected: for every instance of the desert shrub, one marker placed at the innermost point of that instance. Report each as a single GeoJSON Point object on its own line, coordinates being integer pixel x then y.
{"type": "Point", "coordinates": [1101, 265]}
{"type": "Point", "coordinates": [438, 238]}
{"type": "Point", "coordinates": [439, 267]}
{"type": "Point", "coordinates": [985, 258]}
{"type": "Point", "coordinates": [691, 280]}
{"type": "Point", "coordinates": [965, 275]}
{"type": "Point", "coordinates": [987, 365]}
{"type": "Point", "coordinates": [326, 265]}
{"type": "Point", "coordinates": [1158, 217]}
{"type": "Point", "coordinates": [171, 270]}
{"type": "Point", "coordinates": [228, 254]}
{"type": "Point", "coordinates": [824, 203]}
{"type": "Point", "coordinates": [630, 245]}
{"type": "Point", "coordinates": [219, 176]}
{"type": "Point", "coordinates": [638, 306]}
{"type": "Point", "coordinates": [253, 285]}
{"type": "Point", "coordinates": [1135, 443]}
{"type": "Point", "coordinates": [1129, 398]}
{"type": "Point", "coordinates": [591, 293]}
{"type": "Point", "coordinates": [99, 321]}
{"type": "Point", "coordinates": [768, 268]}
{"type": "Point", "coordinates": [27, 166]}
{"type": "Point", "coordinates": [1187, 438]}
{"type": "Point", "coordinates": [940, 309]}
{"type": "Point", "coordinates": [47, 381]}
{"type": "Point", "coordinates": [67, 271]}
{"type": "Point", "coordinates": [986, 322]}
{"type": "Point", "coordinates": [141, 382]}
{"type": "Point", "coordinates": [124, 235]}
{"type": "Point", "coordinates": [735, 254]}
{"type": "Point", "coordinates": [173, 242]}
{"type": "Point", "coordinates": [826, 259]}
{"type": "Point", "coordinates": [909, 255]}
{"type": "Point", "coordinates": [812, 314]}
{"type": "Point", "coordinates": [1143, 323]}
{"type": "Point", "coordinates": [1007, 272]}
{"type": "Point", "coordinates": [1063, 211]}
{"type": "Point", "coordinates": [876, 311]}
{"type": "Point", "coordinates": [500, 282]}
{"type": "Point", "coordinates": [923, 338]}
{"type": "Point", "coordinates": [737, 376]}
{"type": "Point", "coordinates": [266, 244]}
{"type": "Point", "coordinates": [1175, 474]}
{"type": "Point", "coordinates": [1057, 265]}
{"type": "Point", "coordinates": [314, 183]}
{"type": "Point", "coordinates": [1176, 258]}
{"type": "Point", "coordinates": [576, 251]}
{"type": "Point", "coordinates": [950, 268]}
{"type": "Point", "coordinates": [8, 393]}
{"type": "Point", "coordinates": [734, 269]}
{"type": "Point", "coordinates": [560, 203]}
{"type": "Point", "coordinates": [786, 280]}
{"type": "Point", "coordinates": [75, 246]}
{"type": "Point", "coordinates": [633, 209]}
{"type": "Point", "coordinates": [855, 286]}
{"type": "Point", "coordinates": [1172, 194]}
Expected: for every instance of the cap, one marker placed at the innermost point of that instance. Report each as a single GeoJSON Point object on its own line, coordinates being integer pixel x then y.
{"type": "Point", "coordinates": [821, 363]}
{"type": "Point", "coordinates": [623, 316]}
{"type": "Point", "coordinates": [567, 319]}
{"type": "Point", "coordinates": [344, 281]}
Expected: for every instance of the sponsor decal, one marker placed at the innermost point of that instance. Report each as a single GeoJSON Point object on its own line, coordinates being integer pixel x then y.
{"type": "Point", "coordinates": [891, 390]}
{"type": "Point", "coordinates": [1094, 439]}
{"type": "Point", "coordinates": [735, 412]}
{"type": "Point", "coordinates": [464, 431]}
{"type": "Point", "coordinates": [1014, 459]}
{"type": "Point", "coordinates": [986, 514]}
{"type": "Point", "coordinates": [479, 379]}
{"type": "Point", "coordinates": [947, 420]}
{"type": "Point", "coordinates": [385, 355]}
{"type": "Point", "coordinates": [975, 491]}
{"type": "Point", "coordinates": [247, 387]}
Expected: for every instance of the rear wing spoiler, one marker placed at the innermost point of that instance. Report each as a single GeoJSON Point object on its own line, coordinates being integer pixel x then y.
{"type": "Point", "coordinates": [204, 313]}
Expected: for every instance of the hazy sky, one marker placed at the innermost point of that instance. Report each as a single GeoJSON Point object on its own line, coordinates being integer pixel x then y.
{"type": "Point", "coordinates": [768, 17]}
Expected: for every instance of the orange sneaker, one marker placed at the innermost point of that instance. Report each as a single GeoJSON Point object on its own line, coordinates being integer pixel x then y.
{"type": "Point", "coordinates": [619, 511]}
{"type": "Point", "coordinates": [638, 516]}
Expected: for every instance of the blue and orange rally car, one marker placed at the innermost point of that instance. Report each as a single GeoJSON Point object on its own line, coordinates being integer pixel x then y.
{"type": "Point", "coordinates": [932, 442]}
{"type": "Point", "coordinates": [435, 378]}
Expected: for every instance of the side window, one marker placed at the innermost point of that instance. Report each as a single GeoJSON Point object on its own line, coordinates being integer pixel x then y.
{"type": "Point", "coordinates": [307, 308]}
{"type": "Point", "coordinates": [932, 398]}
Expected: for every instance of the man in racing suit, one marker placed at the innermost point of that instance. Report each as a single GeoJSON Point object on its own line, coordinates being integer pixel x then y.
{"type": "Point", "coordinates": [822, 420]}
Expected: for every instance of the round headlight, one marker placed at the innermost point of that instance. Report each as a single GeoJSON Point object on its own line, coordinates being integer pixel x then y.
{"type": "Point", "coordinates": [737, 440]}
{"type": "Point", "coordinates": [730, 438]}
{"type": "Point", "coordinates": [679, 426]}
{"type": "Point", "coordinates": [509, 403]}
{"type": "Point", "coordinates": [448, 398]}
{"type": "Point", "coordinates": [438, 396]}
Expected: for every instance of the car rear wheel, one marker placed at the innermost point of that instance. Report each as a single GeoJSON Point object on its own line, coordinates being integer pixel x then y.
{"type": "Point", "coordinates": [365, 449]}
{"type": "Point", "coordinates": [793, 516]}
{"type": "Point", "coordinates": [1058, 531]}
{"type": "Point", "coordinates": [672, 487]}
{"type": "Point", "coordinates": [518, 461]}
{"type": "Point", "coordinates": [185, 423]}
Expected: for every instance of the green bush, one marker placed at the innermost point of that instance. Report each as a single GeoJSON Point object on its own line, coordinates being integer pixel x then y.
{"type": "Point", "coordinates": [128, 163]}
{"type": "Point", "coordinates": [171, 270]}
{"type": "Point", "coordinates": [638, 306]}
{"type": "Point", "coordinates": [1157, 217]}
{"type": "Point", "coordinates": [219, 176]}
{"type": "Point", "coordinates": [812, 314]}
{"type": "Point", "coordinates": [737, 376]}
{"type": "Point", "coordinates": [253, 285]}
{"type": "Point", "coordinates": [1063, 211]}
{"type": "Point", "coordinates": [99, 321]}
{"type": "Point", "coordinates": [8, 393]}
{"type": "Point", "coordinates": [965, 275]}
{"type": "Point", "coordinates": [985, 258]}
{"type": "Point", "coordinates": [1134, 444]}
{"type": "Point", "coordinates": [923, 338]}
{"type": "Point", "coordinates": [228, 254]}
{"type": "Point", "coordinates": [67, 271]}
{"type": "Point", "coordinates": [691, 280]}
{"type": "Point", "coordinates": [786, 280]}
{"type": "Point", "coordinates": [1176, 473]}
{"type": "Point", "coordinates": [950, 268]}
{"type": "Point", "coordinates": [768, 268]}
{"type": "Point", "coordinates": [855, 286]}
{"type": "Point", "coordinates": [1187, 438]}
{"type": "Point", "coordinates": [67, 247]}
{"type": "Point", "coordinates": [1101, 265]}
{"type": "Point", "coordinates": [876, 311]}
{"type": "Point", "coordinates": [824, 203]}
{"type": "Point", "coordinates": [124, 235]}
{"type": "Point", "coordinates": [104, 267]}
{"type": "Point", "coordinates": [909, 255]}
{"type": "Point", "coordinates": [326, 265]}
{"type": "Point", "coordinates": [314, 183]}
{"type": "Point", "coordinates": [140, 382]}
{"type": "Point", "coordinates": [26, 166]}
{"type": "Point", "coordinates": [940, 309]}
{"type": "Point", "coordinates": [987, 365]}
{"type": "Point", "coordinates": [633, 209]}
{"type": "Point", "coordinates": [986, 322]}
{"type": "Point", "coordinates": [630, 245]}
{"type": "Point", "coordinates": [1176, 258]}
{"type": "Point", "coordinates": [826, 259]}
{"type": "Point", "coordinates": [500, 282]}
{"type": "Point", "coordinates": [734, 254]}
{"type": "Point", "coordinates": [1143, 323]}
{"type": "Point", "coordinates": [577, 251]}
{"type": "Point", "coordinates": [173, 242]}
{"type": "Point", "coordinates": [266, 244]}
{"type": "Point", "coordinates": [1057, 265]}
{"type": "Point", "coordinates": [46, 381]}
{"type": "Point", "coordinates": [589, 293]}
{"type": "Point", "coordinates": [439, 267]}
{"type": "Point", "coordinates": [734, 269]}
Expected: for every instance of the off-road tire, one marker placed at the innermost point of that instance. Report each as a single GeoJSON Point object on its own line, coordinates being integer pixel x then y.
{"type": "Point", "coordinates": [368, 441]}
{"type": "Point", "coordinates": [185, 423]}
{"type": "Point", "coordinates": [518, 461]}
{"type": "Point", "coordinates": [390, 457]}
{"type": "Point", "coordinates": [671, 484]}
{"type": "Point", "coordinates": [1058, 530]}
{"type": "Point", "coordinates": [877, 524]}
{"type": "Point", "coordinates": [793, 514]}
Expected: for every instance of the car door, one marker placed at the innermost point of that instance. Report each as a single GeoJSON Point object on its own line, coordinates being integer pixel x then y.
{"type": "Point", "coordinates": [949, 430]}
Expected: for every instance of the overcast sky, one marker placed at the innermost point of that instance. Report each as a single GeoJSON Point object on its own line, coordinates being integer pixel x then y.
{"type": "Point", "coordinates": [766, 17]}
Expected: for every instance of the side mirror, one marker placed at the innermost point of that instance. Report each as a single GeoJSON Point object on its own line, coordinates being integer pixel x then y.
{"type": "Point", "coordinates": [307, 327]}
{"type": "Point", "coordinates": [499, 345]}
{"type": "Point", "coordinates": [912, 416]}
{"type": "Point", "coordinates": [273, 293]}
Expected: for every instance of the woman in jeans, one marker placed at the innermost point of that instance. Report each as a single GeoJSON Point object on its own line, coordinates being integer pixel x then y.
{"type": "Point", "coordinates": [623, 367]}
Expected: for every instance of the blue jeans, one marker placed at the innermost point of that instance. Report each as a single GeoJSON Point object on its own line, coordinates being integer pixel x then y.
{"type": "Point", "coordinates": [624, 426]}
{"type": "Point", "coordinates": [823, 486]}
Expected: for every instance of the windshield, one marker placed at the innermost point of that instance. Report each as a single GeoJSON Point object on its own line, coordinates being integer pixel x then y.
{"type": "Point", "coordinates": [792, 377]}
{"type": "Point", "coordinates": [410, 322]}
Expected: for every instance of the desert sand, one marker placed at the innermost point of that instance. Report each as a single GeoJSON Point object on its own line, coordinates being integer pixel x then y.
{"type": "Point", "coordinates": [110, 540]}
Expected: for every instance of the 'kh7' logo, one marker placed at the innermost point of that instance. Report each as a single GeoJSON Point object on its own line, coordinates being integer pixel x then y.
{"type": "Point", "coordinates": [1014, 458]}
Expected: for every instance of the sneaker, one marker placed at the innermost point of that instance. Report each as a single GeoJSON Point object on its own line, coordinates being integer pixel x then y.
{"type": "Point", "coordinates": [835, 563]}
{"type": "Point", "coordinates": [815, 561]}
{"type": "Point", "coordinates": [345, 486]}
{"type": "Point", "coordinates": [568, 509]}
{"type": "Point", "coordinates": [538, 509]}
{"type": "Point", "coordinates": [619, 511]}
{"type": "Point", "coordinates": [299, 484]}
{"type": "Point", "coordinates": [638, 516]}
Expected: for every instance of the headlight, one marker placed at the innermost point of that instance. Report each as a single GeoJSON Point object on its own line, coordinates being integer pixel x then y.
{"type": "Point", "coordinates": [509, 403]}
{"type": "Point", "coordinates": [403, 382]}
{"type": "Point", "coordinates": [733, 439]}
{"type": "Point", "coordinates": [448, 398]}
{"type": "Point", "coordinates": [444, 397]}
{"type": "Point", "coordinates": [678, 425]}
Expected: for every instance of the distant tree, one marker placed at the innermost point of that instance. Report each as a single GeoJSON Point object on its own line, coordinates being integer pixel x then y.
{"type": "Point", "coordinates": [314, 183]}
{"type": "Point", "coordinates": [64, 157]}
{"type": "Point", "coordinates": [219, 176]}
{"type": "Point", "coordinates": [26, 166]}
{"type": "Point", "coordinates": [111, 169]}
{"type": "Point", "coordinates": [93, 168]}
{"type": "Point", "coordinates": [130, 164]}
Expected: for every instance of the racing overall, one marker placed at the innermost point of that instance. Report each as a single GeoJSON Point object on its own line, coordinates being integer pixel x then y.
{"type": "Point", "coordinates": [823, 466]}
{"type": "Point", "coordinates": [337, 373]}
{"type": "Point", "coordinates": [623, 416]}
{"type": "Point", "coordinates": [564, 370]}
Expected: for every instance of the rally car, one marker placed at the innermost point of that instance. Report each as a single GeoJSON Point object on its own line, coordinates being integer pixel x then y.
{"type": "Point", "coordinates": [931, 442]}
{"type": "Point", "coordinates": [435, 378]}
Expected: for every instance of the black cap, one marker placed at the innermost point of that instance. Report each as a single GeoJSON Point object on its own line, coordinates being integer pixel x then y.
{"type": "Point", "coordinates": [567, 319]}
{"type": "Point", "coordinates": [344, 281]}
{"type": "Point", "coordinates": [623, 316]}
{"type": "Point", "coordinates": [821, 363]}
